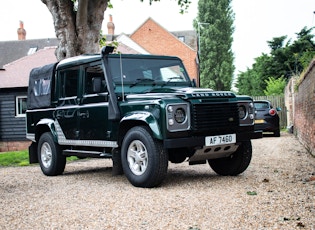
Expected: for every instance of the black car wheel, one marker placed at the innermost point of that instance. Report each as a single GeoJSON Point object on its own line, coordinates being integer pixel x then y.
{"type": "Point", "coordinates": [235, 163]}
{"type": "Point", "coordinates": [144, 159]}
{"type": "Point", "coordinates": [51, 160]}
{"type": "Point", "coordinates": [277, 133]}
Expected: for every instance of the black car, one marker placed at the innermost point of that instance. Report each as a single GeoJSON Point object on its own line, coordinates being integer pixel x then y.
{"type": "Point", "coordinates": [266, 118]}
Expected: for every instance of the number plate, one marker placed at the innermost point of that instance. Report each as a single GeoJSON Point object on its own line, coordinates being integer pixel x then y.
{"type": "Point", "coordinates": [259, 121]}
{"type": "Point", "coordinates": [221, 140]}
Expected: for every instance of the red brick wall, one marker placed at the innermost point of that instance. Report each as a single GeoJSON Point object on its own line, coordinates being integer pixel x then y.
{"type": "Point", "coordinates": [304, 103]}
{"type": "Point", "coordinates": [156, 40]}
{"type": "Point", "coordinates": [8, 146]}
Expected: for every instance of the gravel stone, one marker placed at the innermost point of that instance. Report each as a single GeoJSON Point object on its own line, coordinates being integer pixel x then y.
{"type": "Point", "coordinates": [277, 191]}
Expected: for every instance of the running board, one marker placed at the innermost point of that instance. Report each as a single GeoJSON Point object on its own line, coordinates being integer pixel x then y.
{"type": "Point", "coordinates": [83, 153]}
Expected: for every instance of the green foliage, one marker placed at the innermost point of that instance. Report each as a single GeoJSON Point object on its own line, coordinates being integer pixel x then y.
{"type": "Point", "coordinates": [183, 4]}
{"type": "Point", "coordinates": [20, 158]}
{"type": "Point", "coordinates": [286, 59]}
{"type": "Point", "coordinates": [14, 158]}
{"type": "Point", "coordinates": [103, 42]}
{"type": "Point", "coordinates": [275, 86]}
{"type": "Point", "coordinates": [215, 28]}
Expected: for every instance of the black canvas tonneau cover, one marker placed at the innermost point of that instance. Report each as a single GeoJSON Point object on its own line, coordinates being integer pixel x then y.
{"type": "Point", "coordinates": [39, 87]}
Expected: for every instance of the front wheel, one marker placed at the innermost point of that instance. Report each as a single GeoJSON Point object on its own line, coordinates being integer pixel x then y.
{"type": "Point", "coordinates": [234, 164]}
{"type": "Point", "coordinates": [144, 159]}
{"type": "Point", "coordinates": [51, 160]}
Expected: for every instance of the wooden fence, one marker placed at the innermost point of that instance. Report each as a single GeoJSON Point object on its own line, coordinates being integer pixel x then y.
{"type": "Point", "coordinates": [276, 101]}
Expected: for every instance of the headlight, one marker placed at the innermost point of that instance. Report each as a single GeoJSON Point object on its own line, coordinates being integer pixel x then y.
{"type": "Point", "coordinates": [180, 115]}
{"type": "Point", "coordinates": [177, 116]}
{"type": "Point", "coordinates": [246, 113]}
{"type": "Point", "coordinates": [242, 111]}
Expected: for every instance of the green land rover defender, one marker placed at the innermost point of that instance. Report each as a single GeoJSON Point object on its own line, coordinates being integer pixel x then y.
{"type": "Point", "coordinates": [142, 111]}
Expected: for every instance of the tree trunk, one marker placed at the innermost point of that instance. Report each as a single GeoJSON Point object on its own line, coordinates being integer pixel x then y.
{"type": "Point", "coordinates": [78, 31]}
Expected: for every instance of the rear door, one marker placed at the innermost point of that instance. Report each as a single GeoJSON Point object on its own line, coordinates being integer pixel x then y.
{"type": "Point", "coordinates": [67, 106]}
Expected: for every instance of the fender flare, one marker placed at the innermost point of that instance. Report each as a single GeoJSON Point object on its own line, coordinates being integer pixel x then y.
{"type": "Point", "coordinates": [46, 122]}
{"type": "Point", "coordinates": [144, 117]}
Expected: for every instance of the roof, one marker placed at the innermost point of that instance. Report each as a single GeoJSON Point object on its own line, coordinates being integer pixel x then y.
{"type": "Point", "coordinates": [16, 74]}
{"type": "Point", "coordinates": [13, 50]}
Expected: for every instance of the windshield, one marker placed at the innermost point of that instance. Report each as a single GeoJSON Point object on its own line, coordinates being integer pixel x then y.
{"type": "Point", "coordinates": [147, 72]}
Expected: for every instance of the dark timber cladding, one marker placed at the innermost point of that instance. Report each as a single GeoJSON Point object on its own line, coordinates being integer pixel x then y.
{"type": "Point", "coordinates": [12, 128]}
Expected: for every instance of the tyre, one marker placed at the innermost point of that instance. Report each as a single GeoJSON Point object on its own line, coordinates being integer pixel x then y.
{"type": "Point", "coordinates": [51, 160]}
{"type": "Point", "coordinates": [144, 159]}
{"type": "Point", "coordinates": [277, 133]}
{"type": "Point", "coordinates": [235, 163]}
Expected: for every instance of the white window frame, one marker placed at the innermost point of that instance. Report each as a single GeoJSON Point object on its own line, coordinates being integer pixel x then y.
{"type": "Point", "coordinates": [17, 106]}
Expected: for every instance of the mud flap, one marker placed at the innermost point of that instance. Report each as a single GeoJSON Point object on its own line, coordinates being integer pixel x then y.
{"type": "Point", "coordinates": [32, 153]}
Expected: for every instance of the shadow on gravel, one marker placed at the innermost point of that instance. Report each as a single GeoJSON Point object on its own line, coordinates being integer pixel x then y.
{"type": "Point", "coordinates": [105, 171]}
{"type": "Point", "coordinates": [187, 175]}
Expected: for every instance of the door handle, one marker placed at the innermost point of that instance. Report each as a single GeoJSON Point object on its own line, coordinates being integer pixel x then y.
{"type": "Point", "coordinates": [84, 114]}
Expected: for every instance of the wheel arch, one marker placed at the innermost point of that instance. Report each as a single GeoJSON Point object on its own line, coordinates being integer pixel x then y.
{"type": "Point", "coordinates": [43, 126]}
{"type": "Point", "coordinates": [139, 119]}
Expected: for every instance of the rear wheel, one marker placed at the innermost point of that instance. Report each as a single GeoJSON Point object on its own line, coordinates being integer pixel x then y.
{"type": "Point", "coordinates": [51, 160]}
{"type": "Point", "coordinates": [277, 133]}
{"type": "Point", "coordinates": [235, 163]}
{"type": "Point", "coordinates": [144, 159]}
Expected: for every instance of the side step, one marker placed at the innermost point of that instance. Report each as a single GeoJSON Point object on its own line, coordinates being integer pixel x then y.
{"type": "Point", "coordinates": [83, 153]}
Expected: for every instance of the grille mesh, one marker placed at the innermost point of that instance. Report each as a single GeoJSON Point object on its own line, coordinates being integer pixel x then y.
{"type": "Point", "coordinates": [215, 118]}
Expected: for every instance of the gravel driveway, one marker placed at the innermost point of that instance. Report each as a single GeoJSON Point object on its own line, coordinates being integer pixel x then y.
{"type": "Point", "coordinates": [277, 191]}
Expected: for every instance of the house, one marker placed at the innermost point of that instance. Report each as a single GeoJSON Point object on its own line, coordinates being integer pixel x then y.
{"type": "Point", "coordinates": [14, 50]}
{"type": "Point", "coordinates": [13, 95]}
{"type": "Point", "coordinates": [19, 57]}
{"type": "Point", "coordinates": [157, 40]}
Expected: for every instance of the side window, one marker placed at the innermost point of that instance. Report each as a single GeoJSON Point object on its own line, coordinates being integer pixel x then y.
{"type": "Point", "coordinates": [94, 81]}
{"type": "Point", "coordinates": [69, 82]}
{"type": "Point", "coordinates": [42, 87]}
{"type": "Point", "coordinates": [20, 106]}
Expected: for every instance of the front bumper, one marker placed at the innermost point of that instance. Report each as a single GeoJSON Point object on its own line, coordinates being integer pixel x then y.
{"type": "Point", "coordinates": [195, 141]}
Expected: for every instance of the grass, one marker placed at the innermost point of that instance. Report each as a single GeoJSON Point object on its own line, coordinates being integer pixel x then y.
{"type": "Point", "coordinates": [19, 158]}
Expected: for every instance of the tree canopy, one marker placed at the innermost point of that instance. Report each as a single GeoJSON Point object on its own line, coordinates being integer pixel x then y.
{"type": "Point", "coordinates": [286, 59]}
{"type": "Point", "coordinates": [78, 24]}
{"type": "Point", "coordinates": [215, 28]}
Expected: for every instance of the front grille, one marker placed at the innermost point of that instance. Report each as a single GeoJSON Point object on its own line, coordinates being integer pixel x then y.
{"type": "Point", "coordinates": [215, 118]}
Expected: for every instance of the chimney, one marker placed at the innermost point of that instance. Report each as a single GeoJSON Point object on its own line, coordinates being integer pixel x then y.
{"type": "Point", "coordinates": [111, 26]}
{"type": "Point", "coordinates": [21, 32]}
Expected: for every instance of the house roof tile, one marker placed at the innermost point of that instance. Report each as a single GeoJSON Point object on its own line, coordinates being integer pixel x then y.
{"type": "Point", "coordinates": [13, 50]}
{"type": "Point", "coordinates": [16, 74]}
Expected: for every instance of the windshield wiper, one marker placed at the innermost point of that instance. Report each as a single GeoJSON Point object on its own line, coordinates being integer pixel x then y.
{"type": "Point", "coordinates": [140, 80]}
{"type": "Point", "coordinates": [172, 78]}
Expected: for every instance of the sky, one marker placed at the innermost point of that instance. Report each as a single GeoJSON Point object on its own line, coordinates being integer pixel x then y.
{"type": "Point", "coordinates": [256, 21]}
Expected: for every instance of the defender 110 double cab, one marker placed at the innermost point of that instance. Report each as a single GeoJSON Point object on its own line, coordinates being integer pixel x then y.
{"type": "Point", "coordinates": [140, 110]}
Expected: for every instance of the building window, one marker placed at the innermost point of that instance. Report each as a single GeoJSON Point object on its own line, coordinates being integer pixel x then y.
{"type": "Point", "coordinates": [181, 38]}
{"type": "Point", "coordinates": [21, 106]}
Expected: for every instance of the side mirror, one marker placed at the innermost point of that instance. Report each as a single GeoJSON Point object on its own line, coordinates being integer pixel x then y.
{"type": "Point", "coordinates": [96, 84]}
{"type": "Point", "coordinates": [193, 83]}
{"type": "Point", "coordinates": [278, 109]}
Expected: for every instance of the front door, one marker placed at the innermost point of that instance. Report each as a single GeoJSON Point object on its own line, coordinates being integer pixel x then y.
{"type": "Point", "coordinates": [93, 112]}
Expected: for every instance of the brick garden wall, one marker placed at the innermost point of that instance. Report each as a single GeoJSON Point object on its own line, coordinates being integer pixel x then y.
{"type": "Point", "coordinates": [304, 109]}
{"type": "Point", "coordinates": [8, 146]}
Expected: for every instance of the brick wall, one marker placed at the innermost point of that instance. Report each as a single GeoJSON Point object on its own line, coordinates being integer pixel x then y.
{"type": "Point", "coordinates": [304, 109]}
{"type": "Point", "coordinates": [156, 40]}
{"type": "Point", "coordinates": [8, 146]}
